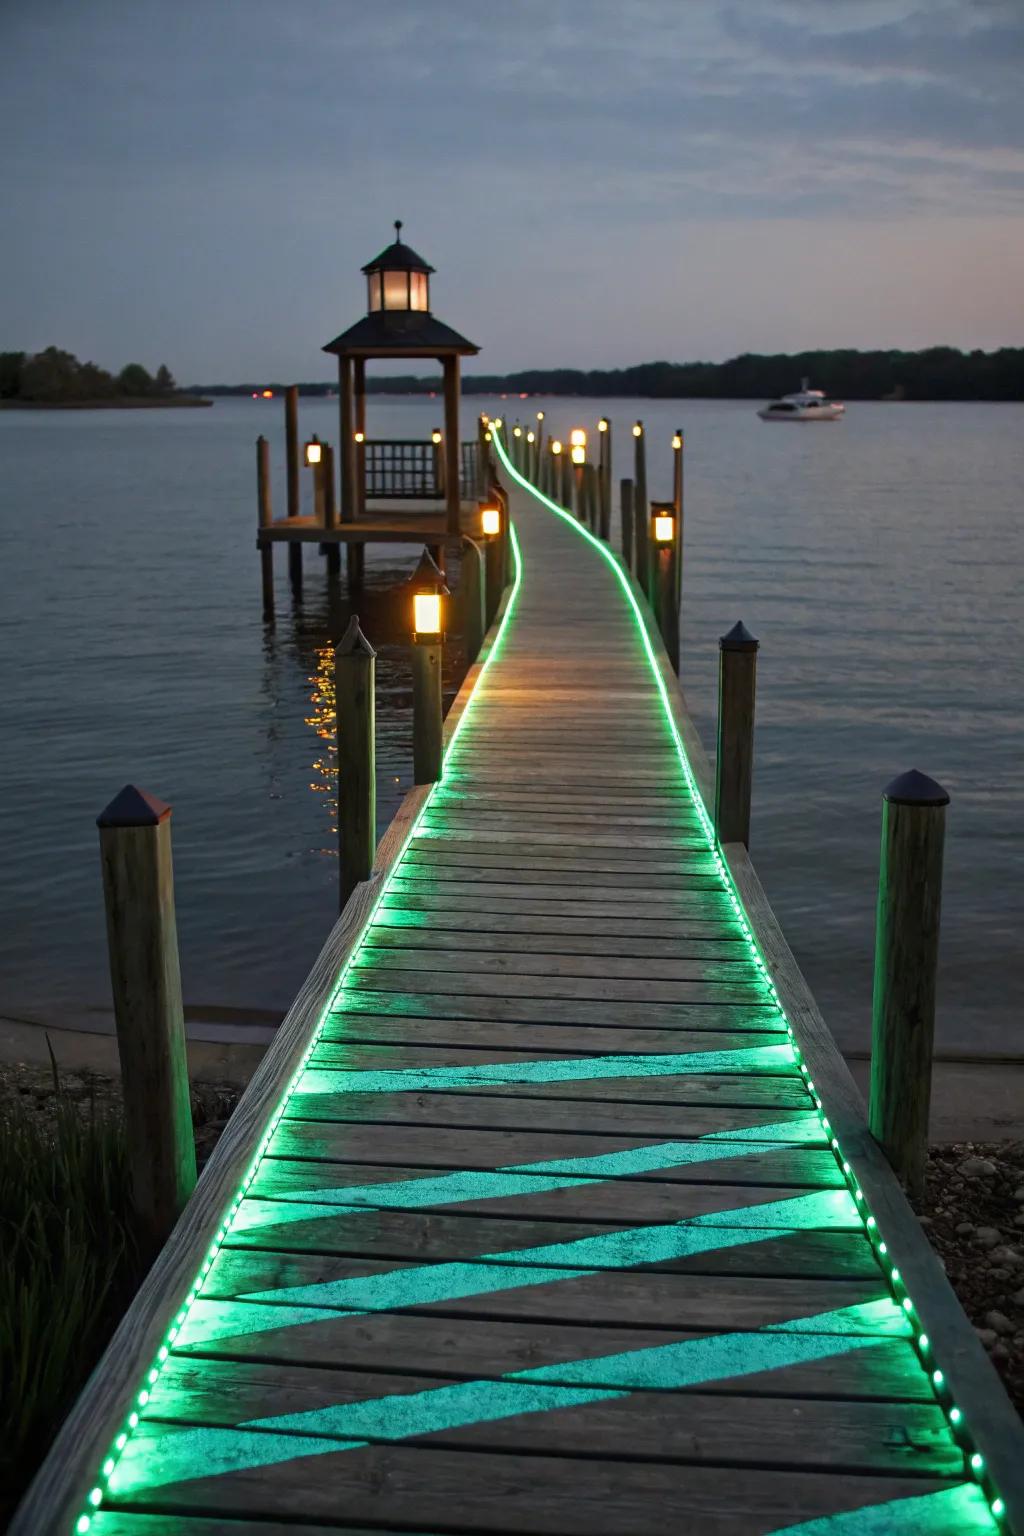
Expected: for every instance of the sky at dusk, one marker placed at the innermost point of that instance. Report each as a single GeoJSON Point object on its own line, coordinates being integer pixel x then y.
{"type": "Point", "coordinates": [598, 182]}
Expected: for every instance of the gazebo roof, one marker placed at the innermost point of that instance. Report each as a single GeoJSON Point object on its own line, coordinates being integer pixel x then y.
{"type": "Point", "coordinates": [398, 257]}
{"type": "Point", "coordinates": [400, 333]}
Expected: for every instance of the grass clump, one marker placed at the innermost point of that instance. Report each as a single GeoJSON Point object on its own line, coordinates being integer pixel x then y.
{"type": "Point", "coordinates": [70, 1264]}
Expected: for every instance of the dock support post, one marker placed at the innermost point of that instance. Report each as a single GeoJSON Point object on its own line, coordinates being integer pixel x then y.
{"type": "Point", "coordinates": [291, 434]}
{"type": "Point", "coordinates": [354, 684]}
{"type": "Point", "coordinates": [626, 514]}
{"type": "Point", "coordinates": [604, 428]}
{"type": "Point", "coordinates": [474, 598]}
{"type": "Point", "coordinates": [906, 959]}
{"type": "Point", "coordinates": [678, 446]}
{"type": "Point", "coordinates": [482, 446]}
{"type": "Point", "coordinates": [494, 576]}
{"type": "Point", "coordinates": [426, 713]}
{"type": "Point", "coordinates": [266, 517]}
{"type": "Point", "coordinates": [138, 885]}
{"type": "Point", "coordinates": [666, 607]}
{"type": "Point", "coordinates": [734, 766]}
{"type": "Point", "coordinates": [641, 541]}
{"type": "Point", "coordinates": [453, 486]}
{"type": "Point", "coordinates": [332, 549]}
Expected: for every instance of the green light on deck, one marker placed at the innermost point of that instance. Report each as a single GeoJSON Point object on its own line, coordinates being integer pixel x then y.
{"type": "Point", "coordinates": [870, 1223]}
{"type": "Point", "coordinates": [998, 1508]}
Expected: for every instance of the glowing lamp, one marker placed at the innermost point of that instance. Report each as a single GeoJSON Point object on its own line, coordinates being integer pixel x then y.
{"type": "Point", "coordinates": [496, 423]}
{"type": "Point", "coordinates": [435, 436]}
{"type": "Point", "coordinates": [556, 446]}
{"type": "Point", "coordinates": [540, 415]}
{"type": "Point", "coordinates": [487, 437]}
{"type": "Point", "coordinates": [677, 440]}
{"type": "Point", "coordinates": [426, 616]}
{"type": "Point", "coordinates": [663, 522]}
{"type": "Point", "coordinates": [517, 431]}
{"type": "Point", "coordinates": [578, 438]}
{"type": "Point", "coordinates": [484, 418]}
{"type": "Point", "coordinates": [490, 521]}
{"type": "Point", "coordinates": [313, 450]}
{"type": "Point", "coordinates": [602, 425]}
{"type": "Point", "coordinates": [428, 590]}
{"type": "Point", "coordinates": [638, 429]}
{"type": "Point", "coordinates": [268, 394]}
{"type": "Point", "coordinates": [360, 437]}
{"type": "Point", "coordinates": [531, 437]}
{"type": "Point", "coordinates": [579, 454]}
{"type": "Point", "coordinates": [398, 278]}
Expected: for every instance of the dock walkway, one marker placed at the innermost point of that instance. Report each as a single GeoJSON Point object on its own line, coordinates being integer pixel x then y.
{"type": "Point", "coordinates": [549, 1237]}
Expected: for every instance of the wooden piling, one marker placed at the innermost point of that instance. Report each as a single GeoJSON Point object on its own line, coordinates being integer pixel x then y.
{"type": "Point", "coordinates": [355, 663]}
{"type": "Point", "coordinates": [734, 766]}
{"type": "Point", "coordinates": [138, 885]}
{"type": "Point", "coordinates": [266, 517]}
{"type": "Point", "coordinates": [426, 713]}
{"type": "Point", "coordinates": [291, 435]}
{"type": "Point", "coordinates": [665, 604]}
{"type": "Point", "coordinates": [640, 505]}
{"type": "Point", "coordinates": [333, 549]}
{"type": "Point", "coordinates": [906, 960]}
{"type": "Point", "coordinates": [473, 582]}
{"type": "Point", "coordinates": [678, 449]}
{"type": "Point", "coordinates": [605, 518]}
{"type": "Point", "coordinates": [626, 514]}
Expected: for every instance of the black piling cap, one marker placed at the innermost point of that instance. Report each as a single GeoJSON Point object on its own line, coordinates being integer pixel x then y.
{"type": "Point", "coordinates": [739, 638]}
{"type": "Point", "coordinates": [913, 788]}
{"type": "Point", "coordinates": [133, 808]}
{"type": "Point", "coordinates": [429, 574]}
{"type": "Point", "coordinates": [353, 642]}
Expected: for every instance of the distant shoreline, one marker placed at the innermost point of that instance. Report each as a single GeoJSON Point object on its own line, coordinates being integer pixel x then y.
{"type": "Point", "coordinates": [125, 403]}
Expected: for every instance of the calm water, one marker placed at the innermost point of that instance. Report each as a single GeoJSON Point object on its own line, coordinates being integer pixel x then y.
{"type": "Point", "coordinates": [879, 561]}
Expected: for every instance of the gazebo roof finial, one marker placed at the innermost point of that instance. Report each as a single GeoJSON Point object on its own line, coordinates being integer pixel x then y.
{"type": "Point", "coordinates": [398, 231]}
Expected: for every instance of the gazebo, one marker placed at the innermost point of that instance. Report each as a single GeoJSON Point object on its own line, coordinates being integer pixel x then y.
{"type": "Point", "coordinates": [398, 323]}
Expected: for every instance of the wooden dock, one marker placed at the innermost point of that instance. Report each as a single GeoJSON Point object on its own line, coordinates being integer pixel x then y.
{"type": "Point", "coordinates": [557, 1214]}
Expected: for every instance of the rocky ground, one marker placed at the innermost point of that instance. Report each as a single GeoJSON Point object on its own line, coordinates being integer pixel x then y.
{"type": "Point", "coordinates": [973, 1212]}
{"type": "Point", "coordinates": [973, 1209]}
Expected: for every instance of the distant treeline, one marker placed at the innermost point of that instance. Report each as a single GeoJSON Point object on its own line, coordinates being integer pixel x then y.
{"type": "Point", "coordinates": [54, 377]}
{"type": "Point", "coordinates": [938, 373]}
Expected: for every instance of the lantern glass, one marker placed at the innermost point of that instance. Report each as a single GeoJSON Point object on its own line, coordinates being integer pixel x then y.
{"type": "Point", "coordinates": [490, 518]}
{"type": "Point", "coordinates": [418, 292]}
{"type": "Point", "coordinates": [556, 446]}
{"type": "Point", "coordinates": [677, 441]}
{"type": "Point", "coordinates": [664, 527]}
{"type": "Point", "coordinates": [602, 425]}
{"type": "Point", "coordinates": [426, 613]}
{"type": "Point", "coordinates": [396, 290]}
{"type": "Point", "coordinates": [578, 438]}
{"type": "Point", "coordinates": [360, 437]}
{"type": "Point", "coordinates": [435, 436]}
{"type": "Point", "coordinates": [517, 431]}
{"type": "Point", "coordinates": [579, 454]}
{"type": "Point", "coordinates": [313, 453]}
{"type": "Point", "coordinates": [530, 437]}
{"type": "Point", "coordinates": [375, 296]}
{"type": "Point", "coordinates": [638, 430]}
{"type": "Point", "coordinates": [497, 423]}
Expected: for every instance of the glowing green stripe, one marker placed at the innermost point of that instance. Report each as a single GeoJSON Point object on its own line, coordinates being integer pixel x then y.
{"type": "Point", "coordinates": [116, 1449]}
{"type": "Point", "coordinates": [959, 1511]}
{"type": "Point", "coordinates": [759, 1058]}
{"type": "Point", "coordinates": [543, 1264]}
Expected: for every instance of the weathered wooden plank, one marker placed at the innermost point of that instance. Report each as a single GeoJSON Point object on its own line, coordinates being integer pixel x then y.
{"type": "Point", "coordinates": [698, 1427]}
{"type": "Point", "coordinates": [436, 913]}
{"type": "Point", "coordinates": [533, 961]}
{"type": "Point", "coordinates": [521, 1112]}
{"type": "Point", "coordinates": [452, 1235]}
{"type": "Point", "coordinates": [555, 901]}
{"type": "Point", "coordinates": [533, 1010]}
{"type": "Point", "coordinates": [727, 1161]}
{"type": "Point", "coordinates": [559, 1039]}
{"type": "Point", "coordinates": [614, 1201]}
{"type": "Point", "coordinates": [429, 875]}
{"type": "Point", "coordinates": [599, 942]}
{"type": "Point", "coordinates": [552, 1496]}
{"type": "Point", "coordinates": [391, 978]}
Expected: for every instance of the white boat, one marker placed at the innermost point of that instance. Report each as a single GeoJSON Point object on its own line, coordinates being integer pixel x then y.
{"type": "Point", "coordinates": [805, 405]}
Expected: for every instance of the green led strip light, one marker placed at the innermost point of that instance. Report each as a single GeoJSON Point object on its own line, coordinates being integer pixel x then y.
{"type": "Point", "coordinates": [974, 1460]}
{"type": "Point", "coordinates": [95, 1496]}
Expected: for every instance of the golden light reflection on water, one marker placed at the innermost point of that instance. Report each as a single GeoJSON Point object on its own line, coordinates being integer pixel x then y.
{"type": "Point", "coordinates": [323, 721]}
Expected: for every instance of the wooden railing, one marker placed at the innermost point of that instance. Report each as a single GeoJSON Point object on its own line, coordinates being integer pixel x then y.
{"type": "Point", "coordinates": [409, 469]}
